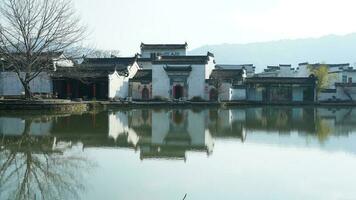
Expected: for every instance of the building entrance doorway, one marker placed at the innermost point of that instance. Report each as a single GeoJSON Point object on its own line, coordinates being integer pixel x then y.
{"type": "Point", "coordinates": [177, 91]}
{"type": "Point", "coordinates": [213, 94]}
{"type": "Point", "coordinates": [145, 94]}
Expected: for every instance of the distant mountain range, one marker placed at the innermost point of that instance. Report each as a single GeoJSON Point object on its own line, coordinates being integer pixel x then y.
{"type": "Point", "coordinates": [327, 49]}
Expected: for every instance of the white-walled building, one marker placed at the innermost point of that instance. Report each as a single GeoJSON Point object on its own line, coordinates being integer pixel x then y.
{"type": "Point", "coordinates": [226, 84]}
{"type": "Point", "coordinates": [11, 86]}
{"type": "Point", "coordinates": [153, 50]}
{"type": "Point", "coordinates": [249, 68]}
{"type": "Point", "coordinates": [341, 81]}
{"type": "Point", "coordinates": [181, 77]}
{"type": "Point", "coordinates": [281, 70]}
{"type": "Point", "coordinates": [141, 85]}
{"type": "Point", "coordinates": [150, 52]}
{"type": "Point", "coordinates": [100, 78]}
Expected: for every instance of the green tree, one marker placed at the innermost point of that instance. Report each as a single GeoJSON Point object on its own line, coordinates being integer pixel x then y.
{"type": "Point", "coordinates": [321, 72]}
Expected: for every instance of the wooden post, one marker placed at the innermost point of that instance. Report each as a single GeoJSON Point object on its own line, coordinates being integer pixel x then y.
{"type": "Point", "coordinates": [94, 90]}
{"type": "Point", "coordinates": [68, 89]}
{"type": "Point", "coordinates": [77, 89]}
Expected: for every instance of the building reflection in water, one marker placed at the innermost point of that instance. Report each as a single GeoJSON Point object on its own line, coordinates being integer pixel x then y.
{"type": "Point", "coordinates": [36, 152]}
{"type": "Point", "coordinates": [171, 133]}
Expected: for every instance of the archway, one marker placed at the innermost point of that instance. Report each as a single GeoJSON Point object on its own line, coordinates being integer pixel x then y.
{"type": "Point", "coordinates": [177, 91]}
{"type": "Point", "coordinates": [145, 93]}
{"type": "Point", "coordinates": [213, 94]}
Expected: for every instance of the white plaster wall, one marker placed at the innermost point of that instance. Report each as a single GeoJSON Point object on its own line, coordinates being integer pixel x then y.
{"type": "Point", "coordinates": [209, 67]}
{"type": "Point", "coordinates": [196, 82]}
{"type": "Point", "coordinates": [286, 72]}
{"type": "Point", "coordinates": [237, 94]}
{"type": "Point", "coordinates": [119, 85]}
{"type": "Point", "coordinates": [326, 96]}
{"type": "Point", "coordinates": [11, 84]}
{"type": "Point", "coordinates": [348, 74]}
{"type": "Point", "coordinates": [340, 94]}
{"type": "Point", "coordinates": [42, 84]}
{"type": "Point", "coordinates": [303, 71]}
{"type": "Point", "coordinates": [224, 93]}
{"type": "Point", "coordinates": [169, 52]}
{"type": "Point", "coordinates": [160, 82]}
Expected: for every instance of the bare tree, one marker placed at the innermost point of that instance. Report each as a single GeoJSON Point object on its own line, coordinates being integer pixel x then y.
{"type": "Point", "coordinates": [97, 53]}
{"type": "Point", "coordinates": [33, 31]}
{"type": "Point", "coordinates": [31, 168]}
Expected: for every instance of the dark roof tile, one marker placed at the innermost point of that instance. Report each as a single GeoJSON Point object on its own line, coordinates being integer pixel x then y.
{"type": "Point", "coordinates": [163, 46]}
{"type": "Point", "coordinates": [231, 74]}
{"type": "Point", "coordinates": [143, 75]}
{"type": "Point", "coordinates": [181, 60]}
{"type": "Point", "coordinates": [281, 80]}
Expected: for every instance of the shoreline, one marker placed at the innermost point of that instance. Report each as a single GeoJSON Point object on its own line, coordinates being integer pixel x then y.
{"type": "Point", "coordinates": [67, 105]}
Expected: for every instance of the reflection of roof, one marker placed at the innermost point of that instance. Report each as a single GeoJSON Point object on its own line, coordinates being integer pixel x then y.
{"type": "Point", "coordinates": [168, 151]}
{"type": "Point", "coordinates": [163, 46]}
{"type": "Point", "coordinates": [161, 153]}
{"type": "Point", "coordinates": [281, 80]}
{"type": "Point", "coordinates": [177, 139]}
{"type": "Point", "coordinates": [143, 75]}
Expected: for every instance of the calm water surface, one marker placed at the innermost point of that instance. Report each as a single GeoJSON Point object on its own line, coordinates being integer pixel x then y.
{"type": "Point", "coordinates": [242, 153]}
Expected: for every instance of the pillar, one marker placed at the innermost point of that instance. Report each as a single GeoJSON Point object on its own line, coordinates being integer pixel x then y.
{"type": "Point", "coordinates": [94, 90]}
{"type": "Point", "coordinates": [68, 89]}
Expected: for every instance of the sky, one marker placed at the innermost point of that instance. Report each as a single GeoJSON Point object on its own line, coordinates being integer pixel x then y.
{"type": "Point", "coordinates": [123, 24]}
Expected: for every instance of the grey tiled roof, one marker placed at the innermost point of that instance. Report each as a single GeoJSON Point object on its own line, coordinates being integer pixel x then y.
{"type": "Point", "coordinates": [224, 74]}
{"type": "Point", "coordinates": [163, 46]}
{"type": "Point", "coordinates": [118, 63]}
{"type": "Point", "coordinates": [181, 60]}
{"type": "Point", "coordinates": [143, 75]}
{"type": "Point", "coordinates": [281, 80]}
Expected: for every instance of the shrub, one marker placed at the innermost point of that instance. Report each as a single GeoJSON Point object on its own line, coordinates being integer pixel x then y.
{"type": "Point", "coordinates": [160, 98]}
{"type": "Point", "coordinates": [197, 99]}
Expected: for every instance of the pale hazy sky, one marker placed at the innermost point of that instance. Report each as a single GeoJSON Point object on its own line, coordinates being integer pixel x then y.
{"type": "Point", "coordinates": [124, 24]}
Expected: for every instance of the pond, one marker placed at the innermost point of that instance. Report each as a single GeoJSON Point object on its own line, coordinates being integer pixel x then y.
{"type": "Point", "coordinates": [238, 153]}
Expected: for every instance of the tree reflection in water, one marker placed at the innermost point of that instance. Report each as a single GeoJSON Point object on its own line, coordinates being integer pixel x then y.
{"type": "Point", "coordinates": [33, 168]}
